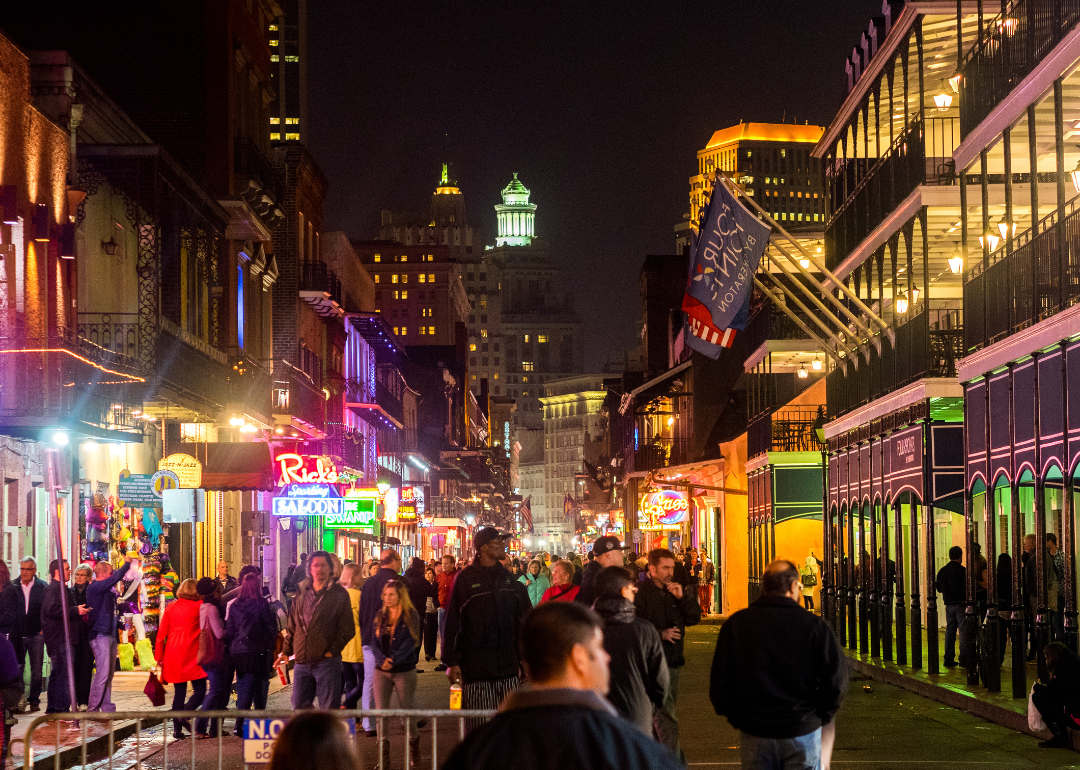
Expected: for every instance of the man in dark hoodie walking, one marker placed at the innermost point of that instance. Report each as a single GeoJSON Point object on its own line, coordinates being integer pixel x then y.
{"type": "Point", "coordinates": [778, 675]}
{"type": "Point", "coordinates": [484, 614]}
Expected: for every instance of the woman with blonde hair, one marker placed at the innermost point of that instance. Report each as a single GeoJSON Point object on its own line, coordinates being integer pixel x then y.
{"type": "Point", "coordinates": [396, 642]}
{"type": "Point", "coordinates": [536, 583]}
{"type": "Point", "coordinates": [352, 657]}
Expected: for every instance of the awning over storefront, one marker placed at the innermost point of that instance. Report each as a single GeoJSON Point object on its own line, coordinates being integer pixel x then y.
{"type": "Point", "coordinates": [242, 467]}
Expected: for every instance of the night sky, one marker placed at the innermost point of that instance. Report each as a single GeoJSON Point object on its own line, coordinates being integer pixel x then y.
{"type": "Point", "coordinates": [600, 107]}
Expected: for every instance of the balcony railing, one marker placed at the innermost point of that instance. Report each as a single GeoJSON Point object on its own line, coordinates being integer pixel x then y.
{"type": "Point", "coordinates": [1012, 45]}
{"type": "Point", "coordinates": [654, 453]}
{"type": "Point", "coordinates": [790, 429]}
{"type": "Point", "coordinates": [295, 394]}
{"type": "Point", "coordinates": [1039, 278]}
{"type": "Point", "coordinates": [920, 155]}
{"type": "Point", "coordinates": [388, 402]}
{"type": "Point", "coordinates": [65, 380]}
{"type": "Point", "coordinates": [250, 384]}
{"type": "Point", "coordinates": [118, 332]}
{"type": "Point", "coordinates": [770, 323]}
{"type": "Point", "coordinates": [316, 276]}
{"type": "Point", "coordinates": [249, 163]}
{"type": "Point", "coordinates": [928, 344]}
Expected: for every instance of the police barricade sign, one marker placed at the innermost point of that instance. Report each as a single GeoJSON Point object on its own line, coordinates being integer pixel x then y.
{"type": "Point", "coordinates": [260, 734]}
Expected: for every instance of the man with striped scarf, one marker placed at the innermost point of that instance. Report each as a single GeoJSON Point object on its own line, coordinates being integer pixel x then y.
{"type": "Point", "coordinates": [486, 607]}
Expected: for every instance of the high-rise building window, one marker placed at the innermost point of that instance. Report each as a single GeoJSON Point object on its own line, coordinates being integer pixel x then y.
{"type": "Point", "coordinates": [431, 330]}
{"type": "Point", "coordinates": [393, 278]}
{"type": "Point", "coordinates": [541, 338]}
{"type": "Point", "coordinates": [292, 59]}
{"type": "Point", "coordinates": [431, 277]}
{"type": "Point", "coordinates": [274, 42]}
{"type": "Point", "coordinates": [526, 337]}
{"type": "Point", "coordinates": [292, 121]}
{"type": "Point", "coordinates": [526, 366]}
{"type": "Point", "coordinates": [422, 278]}
{"type": "Point", "coordinates": [292, 137]}
{"type": "Point", "coordinates": [275, 121]}
{"type": "Point", "coordinates": [274, 58]}
{"type": "Point", "coordinates": [376, 277]}
{"type": "Point", "coordinates": [405, 294]}
{"type": "Point", "coordinates": [378, 257]}
{"type": "Point", "coordinates": [275, 137]}
{"type": "Point", "coordinates": [404, 331]}
{"type": "Point", "coordinates": [405, 278]}
{"type": "Point", "coordinates": [483, 333]}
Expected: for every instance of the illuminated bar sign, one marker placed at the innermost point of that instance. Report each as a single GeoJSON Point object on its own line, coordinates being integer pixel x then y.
{"type": "Point", "coordinates": [411, 503]}
{"type": "Point", "coordinates": [304, 469]}
{"type": "Point", "coordinates": [359, 511]}
{"type": "Point", "coordinates": [308, 500]}
{"type": "Point", "coordinates": [663, 510]}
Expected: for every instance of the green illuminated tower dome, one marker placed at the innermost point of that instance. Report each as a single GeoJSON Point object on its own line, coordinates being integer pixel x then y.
{"type": "Point", "coordinates": [516, 216]}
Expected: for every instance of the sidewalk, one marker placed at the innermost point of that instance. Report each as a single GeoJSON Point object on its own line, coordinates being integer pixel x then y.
{"type": "Point", "coordinates": [127, 694]}
{"type": "Point", "coordinates": [950, 687]}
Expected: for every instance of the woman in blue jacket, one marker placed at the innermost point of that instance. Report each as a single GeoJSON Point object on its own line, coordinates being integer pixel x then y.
{"type": "Point", "coordinates": [535, 582]}
{"type": "Point", "coordinates": [396, 642]}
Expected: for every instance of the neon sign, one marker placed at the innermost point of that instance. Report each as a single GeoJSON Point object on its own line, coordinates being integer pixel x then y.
{"type": "Point", "coordinates": [663, 510]}
{"type": "Point", "coordinates": [411, 503]}
{"type": "Point", "coordinates": [304, 469]}
{"type": "Point", "coordinates": [359, 512]}
{"type": "Point", "coordinates": [308, 500]}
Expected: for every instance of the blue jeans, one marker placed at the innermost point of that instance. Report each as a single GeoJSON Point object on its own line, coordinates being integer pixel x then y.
{"type": "Point", "coordinates": [367, 694]}
{"type": "Point", "coordinates": [442, 618]}
{"type": "Point", "coordinates": [104, 648]}
{"type": "Point", "coordinates": [320, 680]}
{"type": "Point", "coordinates": [198, 695]}
{"type": "Point", "coordinates": [219, 688]}
{"type": "Point", "coordinates": [354, 683]}
{"type": "Point", "coordinates": [954, 617]}
{"type": "Point", "coordinates": [802, 753]}
{"type": "Point", "coordinates": [251, 692]}
{"type": "Point", "coordinates": [59, 691]}
{"type": "Point", "coordinates": [34, 646]}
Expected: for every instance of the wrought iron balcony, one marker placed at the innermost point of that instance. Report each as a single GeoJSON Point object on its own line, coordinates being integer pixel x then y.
{"type": "Point", "coordinates": [250, 385]}
{"type": "Point", "coordinates": [654, 453]}
{"type": "Point", "coordinates": [296, 395]}
{"type": "Point", "coordinates": [190, 368]}
{"type": "Point", "coordinates": [321, 289]}
{"type": "Point", "coordinates": [65, 381]}
{"type": "Point", "coordinates": [1012, 45]}
{"type": "Point", "coordinates": [258, 178]}
{"type": "Point", "coordinates": [790, 429]}
{"type": "Point", "coordinates": [118, 332]}
{"type": "Point", "coordinates": [861, 199]}
{"type": "Point", "coordinates": [770, 323]}
{"type": "Point", "coordinates": [929, 342]}
{"type": "Point", "coordinates": [1038, 278]}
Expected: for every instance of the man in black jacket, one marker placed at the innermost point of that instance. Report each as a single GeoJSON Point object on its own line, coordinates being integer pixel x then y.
{"type": "Point", "coordinates": [778, 675]}
{"type": "Point", "coordinates": [370, 604]}
{"type": "Point", "coordinates": [483, 616]}
{"type": "Point", "coordinates": [31, 593]}
{"type": "Point", "coordinates": [664, 602]}
{"type": "Point", "coordinates": [606, 552]}
{"type": "Point", "coordinates": [561, 722]}
{"type": "Point", "coordinates": [639, 672]}
{"type": "Point", "coordinates": [52, 628]}
{"type": "Point", "coordinates": [951, 583]}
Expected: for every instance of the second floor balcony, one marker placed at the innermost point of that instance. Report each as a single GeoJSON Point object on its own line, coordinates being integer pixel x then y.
{"type": "Point", "coordinates": [929, 342]}
{"type": "Point", "coordinates": [789, 429]}
{"type": "Point", "coordinates": [656, 452]}
{"type": "Point", "coordinates": [296, 396]}
{"type": "Point", "coordinates": [1038, 278]}
{"type": "Point", "coordinates": [321, 289]}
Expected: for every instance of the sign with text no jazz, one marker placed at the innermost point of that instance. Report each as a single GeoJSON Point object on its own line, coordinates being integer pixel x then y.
{"type": "Point", "coordinates": [260, 734]}
{"type": "Point", "coordinates": [723, 260]}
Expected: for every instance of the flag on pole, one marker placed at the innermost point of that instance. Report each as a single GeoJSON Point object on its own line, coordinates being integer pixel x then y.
{"type": "Point", "coordinates": [526, 512]}
{"type": "Point", "coordinates": [723, 259]}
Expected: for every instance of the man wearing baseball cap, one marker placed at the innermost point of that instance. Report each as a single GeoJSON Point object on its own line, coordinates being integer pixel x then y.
{"type": "Point", "coordinates": [608, 552]}
{"type": "Point", "coordinates": [480, 634]}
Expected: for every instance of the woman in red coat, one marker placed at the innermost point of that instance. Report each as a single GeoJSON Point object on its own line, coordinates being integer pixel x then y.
{"type": "Point", "coordinates": [562, 586]}
{"type": "Point", "coordinates": [178, 650]}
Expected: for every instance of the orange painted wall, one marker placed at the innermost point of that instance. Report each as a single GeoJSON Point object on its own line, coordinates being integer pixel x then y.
{"type": "Point", "coordinates": [733, 570]}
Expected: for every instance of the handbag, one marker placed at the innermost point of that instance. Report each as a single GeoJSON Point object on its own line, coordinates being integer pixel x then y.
{"type": "Point", "coordinates": [211, 649]}
{"type": "Point", "coordinates": [155, 690]}
{"type": "Point", "coordinates": [810, 580]}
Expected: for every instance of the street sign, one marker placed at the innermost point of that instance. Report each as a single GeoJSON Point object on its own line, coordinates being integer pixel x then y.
{"type": "Point", "coordinates": [260, 734]}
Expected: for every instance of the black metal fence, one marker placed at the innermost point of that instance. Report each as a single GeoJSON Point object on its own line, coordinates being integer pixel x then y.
{"type": "Point", "coordinates": [1012, 45]}
{"type": "Point", "coordinates": [790, 429]}
{"type": "Point", "coordinates": [771, 323]}
{"type": "Point", "coordinates": [928, 344]}
{"type": "Point", "coordinates": [1039, 278]}
{"type": "Point", "coordinates": [654, 453]}
{"type": "Point", "coordinates": [316, 276]}
{"type": "Point", "coordinates": [921, 154]}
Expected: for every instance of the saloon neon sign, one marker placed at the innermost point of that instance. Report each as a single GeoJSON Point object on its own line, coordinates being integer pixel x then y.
{"type": "Point", "coordinates": [308, 500]}
{"type": "Point", "coordinates": [304, 469]}
{"type": "Point", "coordinates": [664, 510]}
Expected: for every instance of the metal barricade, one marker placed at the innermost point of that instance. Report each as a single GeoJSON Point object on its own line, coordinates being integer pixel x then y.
{"type": "Point", "coordinates": [98, 734]}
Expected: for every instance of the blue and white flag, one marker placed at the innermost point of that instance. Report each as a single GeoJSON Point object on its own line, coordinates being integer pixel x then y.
{"type": "Point", "coordinates": [723, 260]}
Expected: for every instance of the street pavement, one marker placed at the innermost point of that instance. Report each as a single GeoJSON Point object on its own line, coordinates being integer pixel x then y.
{"type": "Point", "coordinates": [879, 726]}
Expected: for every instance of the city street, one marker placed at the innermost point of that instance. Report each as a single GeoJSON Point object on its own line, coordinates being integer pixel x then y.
{"type": "Point", "coordinates": [883, 727]}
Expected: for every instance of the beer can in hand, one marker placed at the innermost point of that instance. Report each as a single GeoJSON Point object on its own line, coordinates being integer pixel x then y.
{"type": "Point", "coordinates": [455, 697]}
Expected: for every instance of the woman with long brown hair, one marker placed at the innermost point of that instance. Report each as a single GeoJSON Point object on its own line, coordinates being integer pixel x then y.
{"type": "Point", "coordinates": [396, 642]}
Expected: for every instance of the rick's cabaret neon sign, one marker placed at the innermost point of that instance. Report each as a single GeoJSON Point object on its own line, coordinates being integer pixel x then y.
{"type": "Point", "coordinates": [304, 469]}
